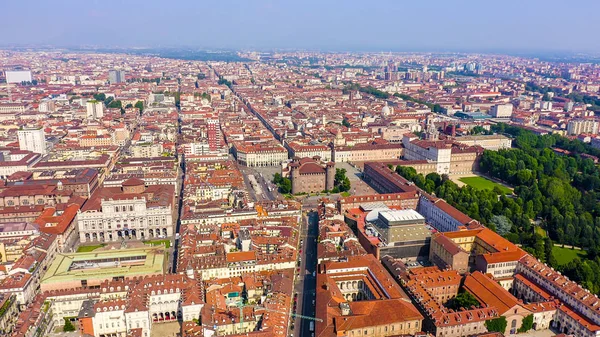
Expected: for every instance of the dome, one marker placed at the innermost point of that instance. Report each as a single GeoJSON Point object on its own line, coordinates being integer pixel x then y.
{"type": "Point", "coordinates": [386, 110]}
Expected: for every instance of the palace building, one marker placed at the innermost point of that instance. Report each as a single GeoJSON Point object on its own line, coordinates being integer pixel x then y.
{"type": "Point", "coordinates": [132, 211]}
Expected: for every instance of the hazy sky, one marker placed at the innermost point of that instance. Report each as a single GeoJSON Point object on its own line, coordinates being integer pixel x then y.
{"type": "Point", "coordinates": [395, 25]}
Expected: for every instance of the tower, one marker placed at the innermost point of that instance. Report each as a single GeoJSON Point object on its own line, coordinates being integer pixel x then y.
{"type": "Point", "coordinates": [432, 132]}
{"type": "Point", "coordinates": [339, 138]}
{"type": "Point", "coordinates": [329, 176]}
{"type": "Point", "coordinates": [295, 175]}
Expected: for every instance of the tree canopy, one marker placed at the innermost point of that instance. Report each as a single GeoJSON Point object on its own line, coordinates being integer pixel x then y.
{"type": "Point", "coordinates": [497, 324]}
{"type": "Point", "coordinates": [284, 184]}
{"type": "Point", "coordinates": [140, 106]}
{"type": "Point", "coordinates": [69, 327]}
{"type": "Point", "coordinates": [341, 182]}
{"type": "Point", "coordinates": [463, 300]}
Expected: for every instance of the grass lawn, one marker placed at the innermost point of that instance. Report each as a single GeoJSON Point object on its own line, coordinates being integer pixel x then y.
{"type": "Point", "coordinates": [481, 183]}
{"type": "Point", "coordinates": [566, 255]}
{"type": "Point", "coordinates": [85, 249]}
{"type": "Point", "coordinates": [166, 242]}
{"type": "Point", "coordinates": [539, 230]}
{"type": "Point", "coordinates": [345, 194]}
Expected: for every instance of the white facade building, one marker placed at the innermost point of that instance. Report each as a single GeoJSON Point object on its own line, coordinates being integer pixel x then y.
{"type": "Point", "coordinates": [432, 151]}
{"type": "Point", "coordinates": [95, 109]}
{"type": "Point", "coordinates": [32, 140]}
{"type": "Point", "coordinates": [133, 211]}
{"type": "Point", "coordinates": [579, 126]}
{"type": "Point", "coordinates": [441, 215]}
{"type": "Point", "coordinates": [18, 76]}
{"type": "Point", "coordinates": [125, 218]}
{"type": "Point", "coordinates": [147, 150]}
{"type": "Point", "coordinates": [501, 110]}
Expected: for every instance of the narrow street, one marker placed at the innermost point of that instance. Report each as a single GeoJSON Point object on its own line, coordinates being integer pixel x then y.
{"type": "Point", "coordinates": [179, 200]}
{"type": "Point", "coordinates": [306, 281]}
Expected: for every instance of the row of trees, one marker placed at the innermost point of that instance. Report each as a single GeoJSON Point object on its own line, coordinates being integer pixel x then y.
{"type": "Point", "coordinates": [224, 81]}
{"type": "Point", "coordinates": [434, 107]}
{"type": "Point", "coordinates": [110, 102]}
{"type": "Point", "coordinates": [385, 95]}
{"type": "Point", "coordinates": [367, 90]}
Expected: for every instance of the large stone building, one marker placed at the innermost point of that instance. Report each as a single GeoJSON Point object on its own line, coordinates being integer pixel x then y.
{"type": "Point", "coordinates": [501, 110]}
{"type": "Point", "coordinates": [441, 215]}
{"type": "Point", "coordinates": [307, 150]}
{"type": "Point", "coordinates": [358, 297]}
{"type": "Point", "coordinates": [133, 210]}
{"type": "Point", "coordinates": [374, 151]}
{"type": "Point", "coordinates": [579, 126]}
{"type": "Point", "coordinates": [476, 249]}
{"type": "Point", "coordinates": [397, 233]}
{"type": "Point", "coordinates": [311, 175]}
{"type": "Point", "coordinates": [488, 142]}
{"type": "Point", "coordinates": [450, 157]}
{"type": "Point", "coordinates": [384, 180]}
{"type": "Point", "coordinates": [259, 155]}
{"type": "Point", "coordinates": [407, 200]}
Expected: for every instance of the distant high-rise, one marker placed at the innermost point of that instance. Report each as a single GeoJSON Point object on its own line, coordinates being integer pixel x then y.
{"type": "Point", "coordinates": [116, 76]}
{"type": "Point", "coordinates": [95, 109]}
{"type": "Point", "coordinates": [470, 66]}
{"type": "Point", "coordinates": [214, 133]}
{"type": "Point", "coordinates": [32, 139]}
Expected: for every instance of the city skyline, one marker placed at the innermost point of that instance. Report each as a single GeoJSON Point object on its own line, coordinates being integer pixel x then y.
{"type": "Point", "coordinates": [434, 26]}
{"type": "Point", "coordinates": [299, 169]}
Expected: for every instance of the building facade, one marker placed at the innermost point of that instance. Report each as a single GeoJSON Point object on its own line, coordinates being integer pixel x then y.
{"type": "Point", "coordinates": [32, 139]}
{"type": "Point", "coordinates": [501, 110]}
{"type": "Point", "coordinates": [116, 76]}
{"type": "Point", "coordinates": [95, 109]}
{"type": "Point", "coordinates": [310, 175]}
{"type": "Point", "coordinates": [132, 211]}
{"type": "Point", "coordinates": [579, 126]}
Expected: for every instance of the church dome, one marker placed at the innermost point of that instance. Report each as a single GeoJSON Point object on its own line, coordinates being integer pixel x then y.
{"type": "Point", "coordinates": [386, 110]}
